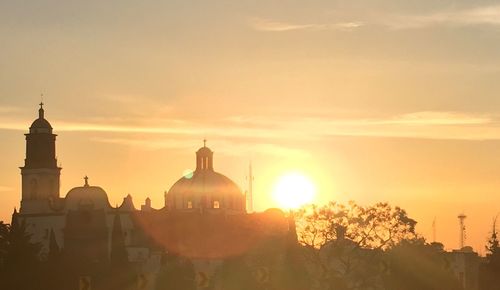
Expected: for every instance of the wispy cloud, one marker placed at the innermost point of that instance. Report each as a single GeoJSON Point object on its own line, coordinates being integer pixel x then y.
{"type": "Point", "coordinates": [274, 130]}
{"type": "Point", "coordinates": [438, 118]}
{"type": "Point", "coordinates": [229, 147]}
{"type": "Point", "coordinates": [5, 188]}
{"type": "Point", "coordinates": [480, 15]}
{"type": "Point", "coordinates": [485, 15]}
{"type": "Point", "coordinates": [261, 24]}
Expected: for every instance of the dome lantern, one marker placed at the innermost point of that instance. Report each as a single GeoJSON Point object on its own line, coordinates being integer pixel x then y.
{"type": "Point", "coordinates": [204, 158]}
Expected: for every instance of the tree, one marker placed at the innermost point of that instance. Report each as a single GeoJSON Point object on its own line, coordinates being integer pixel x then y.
{"type": "Point", "coordinates": [20, 269]}
{"type": "Point", "coordinates": [346, 243]}
{"type": "Point", "coordinates": [379, 226]}
{"type": "Point", "coordinates": [4, 232]}
{"type": "Point", "coordinates": [489, 272]}
{"type": "Point", "coordinates": [121, 273]}
{"type": "Point", "coordinates": [493, 246]}
{"type": "Point", "coordinates": [416, 265]}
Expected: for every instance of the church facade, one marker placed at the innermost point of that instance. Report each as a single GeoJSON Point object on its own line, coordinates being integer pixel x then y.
{"type": "Point", "coordinates": [204, 218]}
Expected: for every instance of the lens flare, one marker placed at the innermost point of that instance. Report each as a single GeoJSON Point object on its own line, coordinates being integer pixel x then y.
{"type": "Point", "coordinates": [188, 173]}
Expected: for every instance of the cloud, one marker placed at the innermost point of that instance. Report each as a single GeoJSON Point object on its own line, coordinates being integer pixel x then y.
{"type": "Point", "coordinates": [261, 24]}
{"type": "Point", "coordinates": [229, 147]}
{"type": "Point", "coordinates": [486, 15]}
{"type": "Point", "coordinates": [424, 125]}
{"type": "Point", "coordinates": [482, 15]}
{"type": "Point", "coordinates": [5, 188]}
{"type": "Point", "coordinates": [278, 129]}
{"type": "Point", "coordinates": [438, 118]}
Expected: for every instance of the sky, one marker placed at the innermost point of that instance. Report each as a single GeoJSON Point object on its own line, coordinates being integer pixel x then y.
{"type": "Point", "coordinates": [384, 100]}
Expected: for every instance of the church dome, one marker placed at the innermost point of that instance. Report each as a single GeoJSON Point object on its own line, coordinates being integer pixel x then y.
{"type": "Point", "coordinates": [205, 188]}
{"type": "Point", "coordinates": [87, 197]}
{"type": "Point", "coordinates": [41, 125]}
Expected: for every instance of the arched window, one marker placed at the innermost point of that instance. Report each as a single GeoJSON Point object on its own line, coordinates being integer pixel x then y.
{"type": "Point", "coordinates": [216, 204]}
{"type": "Point", "coordinates": [189, 204]}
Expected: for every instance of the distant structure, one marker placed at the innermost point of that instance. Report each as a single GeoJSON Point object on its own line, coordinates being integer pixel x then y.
{"type": "Point", "coordinates": [250, 189]}
{"type": "Point", "coordinates": [463, 237]}
{"type": "Point", "coordinates": [434, 236]}
{"type": "Point", "coordinates": [204, 218]}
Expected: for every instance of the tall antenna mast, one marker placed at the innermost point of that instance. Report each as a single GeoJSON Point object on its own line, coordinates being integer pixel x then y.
{"type": "Point", "coordinates": [250, 189]}
{"type": "Point", "coordinates": [434, 230]}
{"type": "Point", "coordinates": [461, 218]}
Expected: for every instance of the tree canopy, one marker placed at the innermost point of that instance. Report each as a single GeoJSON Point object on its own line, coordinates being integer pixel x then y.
{"type": "Point", "coordinates": [378, 226]}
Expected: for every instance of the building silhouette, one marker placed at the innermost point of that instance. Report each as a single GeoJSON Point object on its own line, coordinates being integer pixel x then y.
{"type": "Point", "coordinates": [204, 219]}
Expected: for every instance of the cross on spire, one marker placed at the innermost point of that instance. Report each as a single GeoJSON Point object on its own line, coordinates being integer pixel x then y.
{"type": "Point", "coordinates": [40, 111]}
{"type": "Point", "coordinates": [86, 178]}
{"type": "Point", "coordinates": [205, 142]}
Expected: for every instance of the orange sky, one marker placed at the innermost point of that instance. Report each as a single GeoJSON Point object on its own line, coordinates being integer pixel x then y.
{"type": "Point", "coordinates": [374, 100]}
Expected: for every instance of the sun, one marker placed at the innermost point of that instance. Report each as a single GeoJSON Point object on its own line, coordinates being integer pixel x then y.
{"type": "Point", "coordinates": [293, 190]}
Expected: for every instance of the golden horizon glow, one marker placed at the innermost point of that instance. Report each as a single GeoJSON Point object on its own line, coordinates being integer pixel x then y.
{"type": "Point", "coordinates": [293, 190]}
{"type": "Point", "coordinates": [364, 97]}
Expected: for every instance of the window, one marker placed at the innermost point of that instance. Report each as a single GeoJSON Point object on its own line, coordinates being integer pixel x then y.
{"type": "Point", "coordinates": [216, 204]}
{"type": "Point", "coordinates": [190, 204]}
{"type": "Point", "coordinates": [204, 163]}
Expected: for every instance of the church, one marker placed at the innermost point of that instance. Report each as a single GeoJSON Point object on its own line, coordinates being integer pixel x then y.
{"type": "Point", "coordinates": [204, 218]}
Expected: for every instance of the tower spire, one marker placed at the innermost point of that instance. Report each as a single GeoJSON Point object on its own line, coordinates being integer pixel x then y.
{"type": "Point", "coordinates": [461, 218]}
{"type": "Point", "coordinates": [41, 111]}
{"type": "Point", "coordinates": [250, 188]}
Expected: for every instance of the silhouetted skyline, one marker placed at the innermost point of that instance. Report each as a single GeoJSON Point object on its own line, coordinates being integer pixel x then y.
{"type": "Point", "coordinates": [374, 101]}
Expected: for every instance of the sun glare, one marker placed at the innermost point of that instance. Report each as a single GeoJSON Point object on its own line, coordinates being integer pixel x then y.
{"type": "Point", "coordinates": [293, 190]}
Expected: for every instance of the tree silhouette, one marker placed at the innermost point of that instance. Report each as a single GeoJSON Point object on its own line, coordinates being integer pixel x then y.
{"type": "Point", "coordinates": [493, 246]}
{"type": "Point", "coordinates": [349, 246]}
{"type": "Point", "coordinates": [489, 272]}
{"type": "Point", "coordinates": [4, 233]}
{"type": "Point", "coordinates": [20, 263]}
{"type": "Point", "coordinates": [379, 226]}
{"type": "Point", "coordinates": [52, 269]}
{"type": "Point", "coordinates": [121, 273]}
{"type": "Point", "coordinates": [415, 265]}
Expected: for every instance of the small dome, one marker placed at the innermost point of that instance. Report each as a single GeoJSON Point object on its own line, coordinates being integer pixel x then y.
{"type": "Point", "coordinates": [41, 125]}
{"type": "Point", "coordinates": [87, 197]}
{"type": "Point", "coordinates": [204, 151]}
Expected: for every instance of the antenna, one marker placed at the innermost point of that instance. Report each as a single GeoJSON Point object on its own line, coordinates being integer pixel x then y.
{"type": "Point", "coordinates": [250, 189]}
{"type": "Point", "coordinates": [461, 218]}
{"type": "Point", "coordinates": [434, 230]}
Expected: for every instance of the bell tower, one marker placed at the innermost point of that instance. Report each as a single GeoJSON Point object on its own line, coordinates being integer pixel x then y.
{"type": "Point", "coordinates": [40, 173]}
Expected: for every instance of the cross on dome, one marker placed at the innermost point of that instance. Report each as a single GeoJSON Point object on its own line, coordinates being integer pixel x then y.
{"type": "Point", "coordinates": [86, 178]}
{"type": "Point", "coordinates": [41, 111]}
